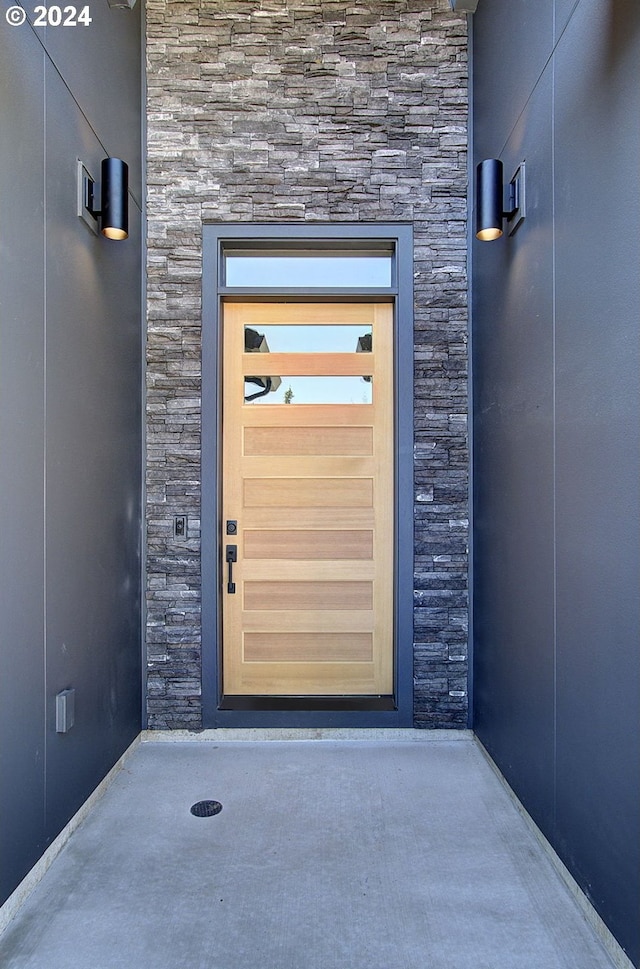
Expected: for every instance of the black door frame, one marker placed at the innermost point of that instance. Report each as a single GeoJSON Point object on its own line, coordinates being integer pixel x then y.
{"type": "Point", "coordinates": [218, 238]}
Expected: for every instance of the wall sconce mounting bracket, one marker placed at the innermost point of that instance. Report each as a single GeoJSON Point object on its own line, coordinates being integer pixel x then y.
{"type": "Point", "coordinates": [517, 200]}
{"type": "Point", "coordinates": [86, 186]}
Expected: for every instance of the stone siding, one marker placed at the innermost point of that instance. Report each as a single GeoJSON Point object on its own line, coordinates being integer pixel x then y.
{"type": "Point", "coordinates": [317, 111]}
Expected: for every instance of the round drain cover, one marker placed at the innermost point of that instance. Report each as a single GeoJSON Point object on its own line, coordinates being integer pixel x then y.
{"type": "Point", "coordinates": [206, 809]}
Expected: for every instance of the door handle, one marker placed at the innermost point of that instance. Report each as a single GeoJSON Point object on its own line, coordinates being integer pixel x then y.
{"type": "Point", "coordinates": [231, 556]}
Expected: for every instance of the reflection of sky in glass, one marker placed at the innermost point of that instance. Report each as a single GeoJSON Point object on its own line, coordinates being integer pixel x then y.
{"type": "Point", "coordinates": [303, 270]}
{"type": "Point", "coordinates": [315, 390]}
{"type": "Point", "coordinates": [313, 339]}
{"type": "Point", "coordinates": [319, 390]}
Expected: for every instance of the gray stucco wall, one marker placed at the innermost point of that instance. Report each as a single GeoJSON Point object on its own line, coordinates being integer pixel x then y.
{"type": "Point", "coordinates": [315, 111]}
{"type": "Point", "coordinates": [70, 426]}
{"type": "Point", "coordinates": [556, 435]}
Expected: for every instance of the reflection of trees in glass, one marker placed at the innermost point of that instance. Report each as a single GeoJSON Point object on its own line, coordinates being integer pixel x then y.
{"type": "Point", "coordinates": [288, 395]}
{"type": "Point", "coordinates": [364, 343]}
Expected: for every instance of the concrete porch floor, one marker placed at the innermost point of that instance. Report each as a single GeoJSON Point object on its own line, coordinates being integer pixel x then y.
{"type": "Point", "coordinates": [326, 855]}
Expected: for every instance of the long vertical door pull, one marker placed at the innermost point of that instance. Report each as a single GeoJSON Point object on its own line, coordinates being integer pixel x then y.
{"type": "Point", "coordinates": [231, 557]}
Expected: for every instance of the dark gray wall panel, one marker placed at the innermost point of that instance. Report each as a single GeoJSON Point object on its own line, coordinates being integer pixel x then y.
{"type": "Point", "coordinates": [93, 455]}
{"type": "Point", "coordinates": [513, 541]}
{"type": "Point", "coordinates": [598, 455]}
{"type": "Point", "coordinates": [563, 9]}
{"type": "Point", "coordinates": [70, 453]}
{"type": "Point", "coordinates": [520, 33]}
{"type": "Point", "coordinates": [21, 465]}
{"type": "Point", "coordinates": [555, 329]}
{"type": "Point", "coordinates": [100, 64]}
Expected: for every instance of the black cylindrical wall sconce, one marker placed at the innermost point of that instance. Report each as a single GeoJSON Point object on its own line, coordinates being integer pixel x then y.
{"type": "Point", "coordinates": [114, 215]}
{"type": "Point", "coordinates": [489, 199]}
{"type": "Point", "coordinates": [105, 206]}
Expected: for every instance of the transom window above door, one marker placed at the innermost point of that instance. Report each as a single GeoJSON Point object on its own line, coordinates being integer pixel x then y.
{"type": "Point", "coordinates": [312, 268]}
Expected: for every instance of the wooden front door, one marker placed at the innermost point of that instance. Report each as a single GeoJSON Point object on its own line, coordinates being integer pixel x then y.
{"type": "Point", "coordinates": [307, 499]}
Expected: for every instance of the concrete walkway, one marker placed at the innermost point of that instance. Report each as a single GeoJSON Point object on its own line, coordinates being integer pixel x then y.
{"type": "Point", "coordinates": [348, 855]}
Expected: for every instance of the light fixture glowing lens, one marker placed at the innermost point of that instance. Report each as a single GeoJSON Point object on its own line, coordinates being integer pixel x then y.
{"type": "Point", "coordinates": [488, 235]}
{"type": "Point", "coordinates": [111, 233]}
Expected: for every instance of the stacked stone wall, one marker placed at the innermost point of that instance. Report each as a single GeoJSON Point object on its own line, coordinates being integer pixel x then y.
{"type": "Point", "coordinates": [306, 111]}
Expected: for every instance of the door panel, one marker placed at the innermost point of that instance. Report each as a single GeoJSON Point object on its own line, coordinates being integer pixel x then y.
{"type": "Point", "coordinates": [309, 608]}
{"type": "Point", "coordinates": [314, 492]}
{"type": "Point", "coordinates": [302, 594]}
{"type": "Point", "coordinates": [307, 440]}
{"type": "Point", "coordinates": [308, 647]}
{"type": "Point", "coordinates": [301, 544]}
